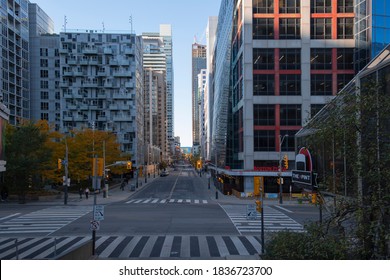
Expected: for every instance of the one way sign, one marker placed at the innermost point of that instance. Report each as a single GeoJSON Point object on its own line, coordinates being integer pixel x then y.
{"type": "Point", "coordinates": [98, 212]}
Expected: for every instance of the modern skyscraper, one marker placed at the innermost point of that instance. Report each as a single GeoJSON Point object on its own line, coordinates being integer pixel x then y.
{"type": "Point", "coordinates": [158, 60]}
{"type": "Point", "coordinates": [198, 63]}
{"type": "Point", "coordinates": [166, 35]}
{"type": "Point", "coordinates": [14, 59]}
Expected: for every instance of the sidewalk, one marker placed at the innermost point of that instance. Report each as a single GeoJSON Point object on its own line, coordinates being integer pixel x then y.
{"type": "Point", "coordinates": [232, 199]}
{"type": "Point", "coordinates": [115, 194]}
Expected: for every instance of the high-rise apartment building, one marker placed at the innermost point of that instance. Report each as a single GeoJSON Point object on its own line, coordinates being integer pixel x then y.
{"type": "Point", "coordinates": [45, 94]}
{"type": "Point", "coordinates": [288, 59]}
{"type": "Point", "coordinates": [102, 86]}
{"type": "Point", "coordinates": [198, 63]}
{"type": "Point", "coordinates": [14, 59]}
{"type": "Point", "coordinates": [159, 60]}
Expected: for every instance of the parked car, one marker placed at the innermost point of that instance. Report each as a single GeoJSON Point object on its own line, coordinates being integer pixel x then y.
{"type": "Point", "coordinates": [164, 173]}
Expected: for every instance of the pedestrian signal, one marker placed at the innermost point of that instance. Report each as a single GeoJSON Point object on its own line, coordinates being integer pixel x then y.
{"type": "Point", "coordinates": [59, 164]}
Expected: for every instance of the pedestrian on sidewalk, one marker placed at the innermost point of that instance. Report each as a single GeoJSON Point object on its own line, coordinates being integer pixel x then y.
{"type": "Point", "coordinates": [81, 192]}
{"type": "Point", "coordinates": [86, 192]}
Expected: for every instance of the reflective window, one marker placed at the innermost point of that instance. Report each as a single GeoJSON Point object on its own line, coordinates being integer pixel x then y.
{"type": "Point", "coordinates": [345, 28]}
{"type": "Point", "coordinates": [290, 84]}
{"type": "Point", "coordinates": [321, 59]}
{"type": "Point", "coordinates": [264, 140]}
{"type": "Point", "coordinates": [263, 59]}
{"type": "Point", "coordinates": [263, 114]}
{"type": "Point", "coordinates": [290, 114]}
{"type": "Point", "coordinates": [290, 59]}
{"type": "Point", "coordinates": [321, 84]}
{"type": "Point", "coordinates": [343, 80]}
{"type": "Point", "coordinates": [263, 28]}
{"type": "Point", "coordinates": [321, 6]}
{"type": "Point", "coordinates": [345, 59]}
{"type": "Point", "coordinates": [263, 84]}
{"type": "Point", "coordinates": [345, 6]}
{"type": "Point", "coordinates": [290, 28]}
{"type": "Point", "coordinates": [289, 6]}
{"type": "Point", "coordinates": [321, 28]}
{"type": "Point", "coordinates": [263, 6]}
{"type": "Point", "coordinates": [315, 108]}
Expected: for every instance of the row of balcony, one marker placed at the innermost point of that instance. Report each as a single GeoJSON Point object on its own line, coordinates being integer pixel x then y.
{"type": "Point", "coordinates": [121, 117]}
{"type": "Point", "coordinates": [94, 84]}
{"type": "Point", "coordinates": [97, 51]}
{"type": "Point", "coordinates": [101, 73]}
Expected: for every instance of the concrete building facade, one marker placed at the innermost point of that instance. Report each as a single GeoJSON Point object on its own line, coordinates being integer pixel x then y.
{"type": "Point", "coordinates": [102, 86]}
{"type": "Point", "coordinates": [289, 58]}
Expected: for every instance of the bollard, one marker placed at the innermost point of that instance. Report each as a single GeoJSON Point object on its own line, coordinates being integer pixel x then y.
{"type": "Point", "coordinates": [216, 194]}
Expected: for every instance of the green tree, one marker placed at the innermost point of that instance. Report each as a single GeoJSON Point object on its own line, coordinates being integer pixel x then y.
{"type": "Point", "coordinates": [352, 139]}
{"type": "Point", "coordinates": [27, 156]}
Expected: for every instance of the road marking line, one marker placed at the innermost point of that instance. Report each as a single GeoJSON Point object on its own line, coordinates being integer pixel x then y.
{"type": "Point", "coordinates": [205, 201]}
{"type": "Point", "coordinates": [188, 200]}
{"type": "Point", "coordinates": [171, 200]}
{"type": "Point", "coordinates": [180, 200]}
{"type": "Point", "coordinates": [9, 216]}
{"type": "Point", "coordinates": [284, 209]}
{"type": "Point", "coordinates": [196, 200]}
{"type": "Point", "coordinates": [163, 201]}
{"type": "Point", "coordinates": [155, 201]}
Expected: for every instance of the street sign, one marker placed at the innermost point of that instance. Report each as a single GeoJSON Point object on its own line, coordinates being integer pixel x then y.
{"type": "Point", "coordinates": [95, 225]}
{"type": "Point", "coordinates": [98, 212]}
{"type": "Point", "coordinates": [251, 213]}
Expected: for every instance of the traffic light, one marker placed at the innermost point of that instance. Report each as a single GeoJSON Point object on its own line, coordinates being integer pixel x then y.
{"type": "Point", "coordinates": [314, 198]}
{"type": "Point", "coordinates": [258, 205]}
{"type": "Point", "coordinates": [128, 165]}
{"type": "Point", "coordinates": [285, 161]}
{"type": "Point", "coordinates": [59, 164]}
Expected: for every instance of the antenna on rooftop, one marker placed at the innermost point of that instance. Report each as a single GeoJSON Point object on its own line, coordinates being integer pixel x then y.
{"type": "Point", "coordinates": [65, 22]}
{"type": "Point", "coordinates": [131, 23]}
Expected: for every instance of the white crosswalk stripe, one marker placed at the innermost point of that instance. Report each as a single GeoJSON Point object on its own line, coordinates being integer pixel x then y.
{"type": "Point", "coordinates": [274, 220]}
{"type": "Point", "coordinates": [160, 201]}
{"type": "Point", "coordinates": [47, 220]}
{"type": "Point", "coordinates": [134, 247]}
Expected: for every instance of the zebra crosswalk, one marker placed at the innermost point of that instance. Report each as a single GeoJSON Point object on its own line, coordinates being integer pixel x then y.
{"type": "Point", "coordinates": [162, 201]}
{"type": "Point", "coordinates": [139, 247]}
{"type": "Point", "coordinates": [44, 221]}
{"type": "Point", "coordinates": [274, 220]}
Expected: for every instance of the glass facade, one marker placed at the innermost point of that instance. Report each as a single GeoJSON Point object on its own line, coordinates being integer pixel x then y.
{"type": "Point", "coordinates": [222, 88]}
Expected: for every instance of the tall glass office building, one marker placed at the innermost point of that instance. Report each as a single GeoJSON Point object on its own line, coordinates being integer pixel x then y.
{"type": "Point", "coordinates": [288, 59]}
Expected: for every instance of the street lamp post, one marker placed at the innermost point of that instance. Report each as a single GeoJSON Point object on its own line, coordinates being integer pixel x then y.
{"type": "Point", "coordinates": [66, 174]}
{"type": "Point", "coordinates": [281, 139]}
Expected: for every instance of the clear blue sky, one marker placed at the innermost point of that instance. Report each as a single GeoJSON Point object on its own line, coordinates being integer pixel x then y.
{"type": "Point", "coordinates": [188, 19]}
